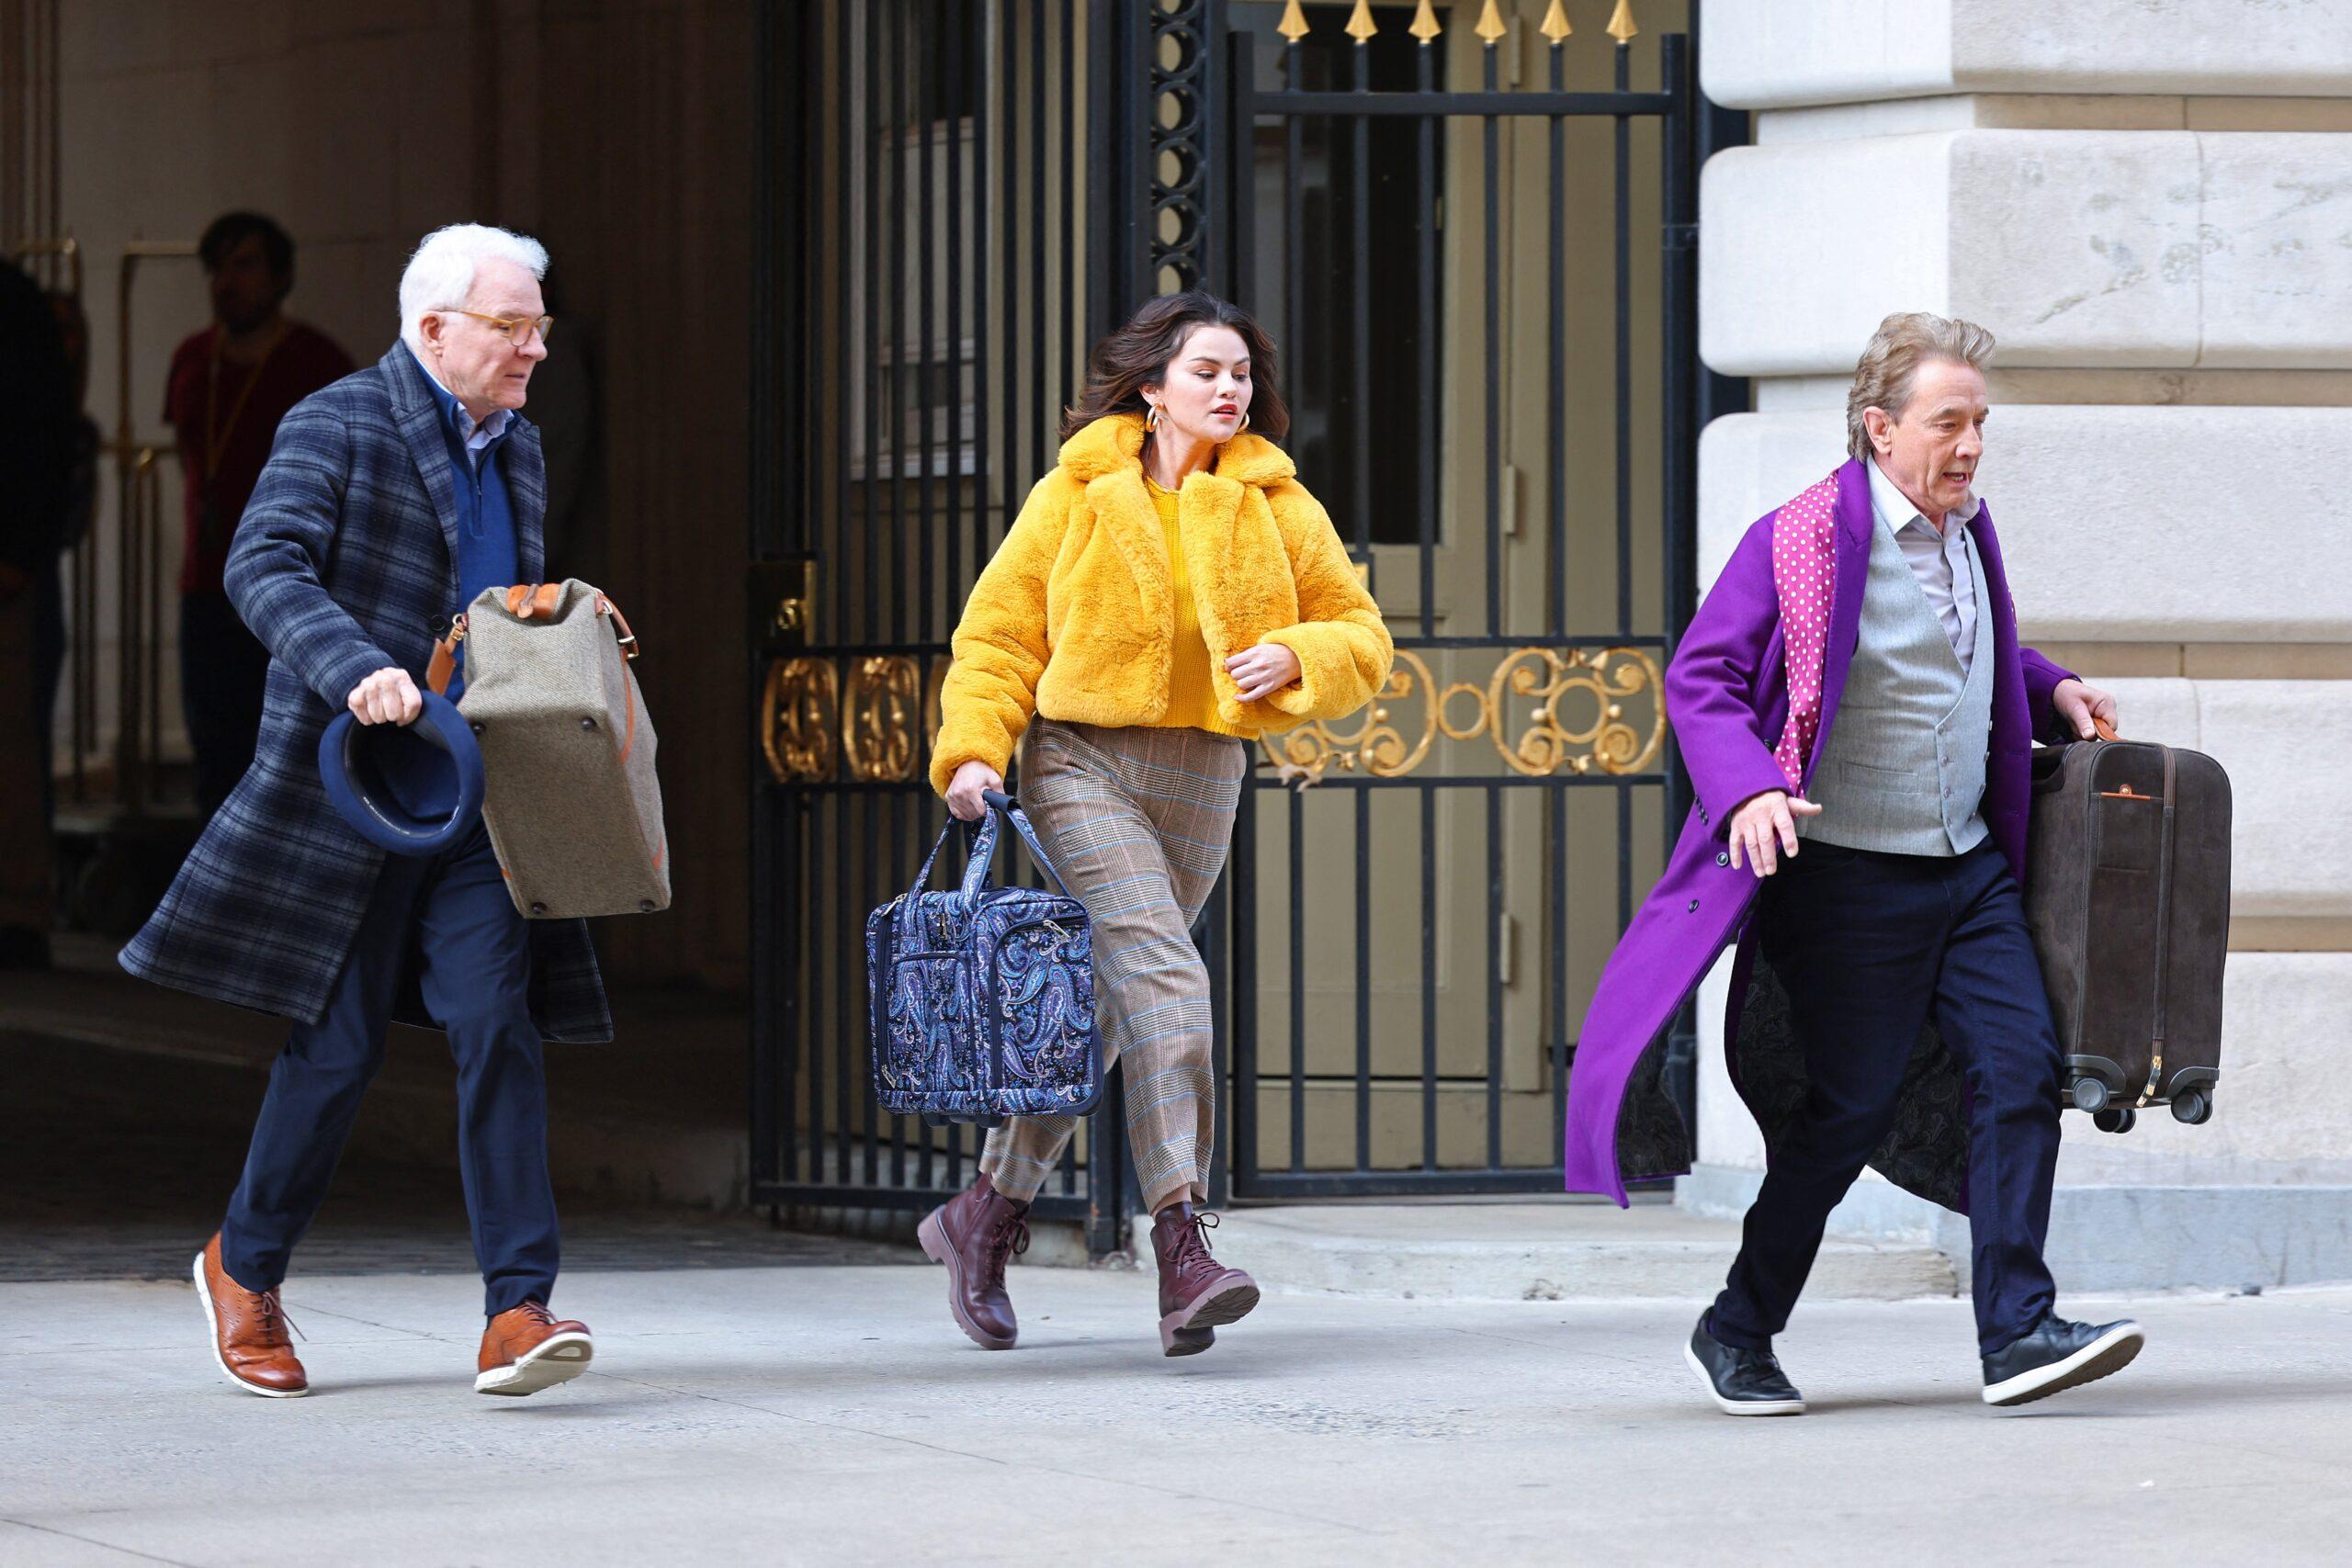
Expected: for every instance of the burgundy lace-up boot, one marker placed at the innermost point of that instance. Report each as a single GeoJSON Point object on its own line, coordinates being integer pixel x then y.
{"type": "Point", "coordinates": [1197, 1293]}
{"type": "Point", "coordinates": [976, 1233]}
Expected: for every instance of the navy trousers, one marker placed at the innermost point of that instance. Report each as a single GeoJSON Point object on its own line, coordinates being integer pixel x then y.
{"type": "Point", "coordinates": [449, 915]}
{"type": "Point", "coordinates": [1870, 947]}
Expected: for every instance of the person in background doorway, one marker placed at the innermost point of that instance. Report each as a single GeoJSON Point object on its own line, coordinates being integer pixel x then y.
{"type": "Point", "coordinates": [230, 385]}
{"type": "Point", "coordinates": [36, 408]}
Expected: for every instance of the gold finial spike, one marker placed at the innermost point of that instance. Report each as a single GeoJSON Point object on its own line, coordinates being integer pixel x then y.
{"type": "Point", "coordinates": [1293, 26]}
{"type": "Point", "coordinates": [1555, 24]}
{"type": "Point", "coordinates": [1621, 23]}
{"type": "Point", "coordinates": [1361, 26]}
{"type": "Point", "coordinates": [1490, 25]}
{"type": "Point", "coordinates": [1425, 24]}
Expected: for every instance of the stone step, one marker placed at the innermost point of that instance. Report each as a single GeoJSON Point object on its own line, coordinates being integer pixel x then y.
{"type": "Point", "coordinates": [1541, 1250]}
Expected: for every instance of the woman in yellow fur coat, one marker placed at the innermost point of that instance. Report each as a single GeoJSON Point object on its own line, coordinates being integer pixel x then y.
{"type": "Point", "coordinates": [1169, 593]}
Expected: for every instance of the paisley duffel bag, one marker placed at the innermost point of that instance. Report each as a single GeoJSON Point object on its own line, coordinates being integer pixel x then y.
{"type": "Point", "coordinates": [982, 997]}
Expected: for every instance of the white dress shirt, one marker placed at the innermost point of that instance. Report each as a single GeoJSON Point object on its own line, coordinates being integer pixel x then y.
{"type": "Point", "coordinates": [1943, 559]}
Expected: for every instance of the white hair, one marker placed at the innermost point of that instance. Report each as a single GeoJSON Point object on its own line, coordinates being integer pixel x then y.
{"type": "Point", "coordinates": [440, 275]}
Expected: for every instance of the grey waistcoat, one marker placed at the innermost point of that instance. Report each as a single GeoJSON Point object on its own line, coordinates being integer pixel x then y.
{"type": "Point", "coordinates": [1903, 771]}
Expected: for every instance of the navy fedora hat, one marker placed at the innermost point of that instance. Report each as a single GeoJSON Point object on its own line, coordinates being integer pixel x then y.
{"type": "Point", "coordinates": [413, 789]}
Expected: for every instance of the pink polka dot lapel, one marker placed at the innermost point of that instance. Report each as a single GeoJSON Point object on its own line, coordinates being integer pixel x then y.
{"type": "Point", "coordinates": [1804, 574]}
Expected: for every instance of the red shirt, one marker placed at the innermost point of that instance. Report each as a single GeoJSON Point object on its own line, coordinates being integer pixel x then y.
{"type": "Point", "coordinates": [226, 423]}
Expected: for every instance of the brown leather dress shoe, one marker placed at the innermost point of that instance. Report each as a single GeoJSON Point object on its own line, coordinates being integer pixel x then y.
{"type": "Point", "coordinates": [526, 1349]}
{"type": "Point", "coordinates": [976, 1233]}
{"type": "Point", "coordinates": [1197, 1294]}
{"type": "Point", "coordinates": [249, 1338]}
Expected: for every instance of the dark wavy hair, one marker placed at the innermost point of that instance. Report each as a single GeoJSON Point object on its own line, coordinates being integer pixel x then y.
{"type": "Point", "coordinates": [1140, 353]}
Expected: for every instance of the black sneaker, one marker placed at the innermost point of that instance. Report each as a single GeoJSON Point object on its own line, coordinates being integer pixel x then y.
{"type": "Point", "coordinates": [1741, 1383]}
{"type": "Point", "coordinates": [2056, 1354]}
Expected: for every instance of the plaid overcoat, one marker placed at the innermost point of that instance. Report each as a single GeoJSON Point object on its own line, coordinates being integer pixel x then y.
{"type": "Point", "coordinates": [342, 560]}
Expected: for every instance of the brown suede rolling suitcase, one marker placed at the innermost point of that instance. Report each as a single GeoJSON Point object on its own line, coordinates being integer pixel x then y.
{"type": "Point", "coordinates": [2128, 895]}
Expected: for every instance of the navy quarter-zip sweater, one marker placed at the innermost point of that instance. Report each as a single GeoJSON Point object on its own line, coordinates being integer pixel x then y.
{"type": "Point", "coordinates": [486, 555]}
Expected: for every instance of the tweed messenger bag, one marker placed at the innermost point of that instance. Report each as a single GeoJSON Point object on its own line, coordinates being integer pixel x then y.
{"type": "Point", "coordinates": [571, 803]}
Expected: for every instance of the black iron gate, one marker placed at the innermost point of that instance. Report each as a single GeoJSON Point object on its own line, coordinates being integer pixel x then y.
{"type": "Point", "coordinates": [956, 199]}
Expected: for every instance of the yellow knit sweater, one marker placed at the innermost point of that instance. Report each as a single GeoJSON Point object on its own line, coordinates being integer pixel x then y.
{"type": "Point", "coordinates": [1191, 698]}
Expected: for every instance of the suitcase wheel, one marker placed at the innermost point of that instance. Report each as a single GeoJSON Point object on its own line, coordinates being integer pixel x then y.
{"type": "Point", "coordinates": [2090, 1094]}
{"type": "Point", "coordinates": [2193, 1106]}
{"type": "Point", "coordinates": [2116, 1119]}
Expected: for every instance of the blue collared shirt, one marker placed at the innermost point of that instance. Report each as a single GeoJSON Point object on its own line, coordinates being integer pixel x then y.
{"type": "Point", "coordinates": [474, 437]}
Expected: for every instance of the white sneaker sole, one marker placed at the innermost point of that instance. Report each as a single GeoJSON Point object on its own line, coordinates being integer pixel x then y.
{"type": "Point", "coordinates": [2110, 1352]}
{"type": "Point", "coordinates": [559, 1358]}
{"type": "Point", "coordinates": [1740, 1407]}
{"type": "Point", "coordinates": [212, 1322]}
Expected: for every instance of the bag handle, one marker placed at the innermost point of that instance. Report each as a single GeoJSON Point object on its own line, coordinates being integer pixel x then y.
{"type": "Point", "coordinates": [528, 601]}
{"type": "Point", "coordinates": [982, 852]}
{"type": "Point", "coordinates": [1020, 820]}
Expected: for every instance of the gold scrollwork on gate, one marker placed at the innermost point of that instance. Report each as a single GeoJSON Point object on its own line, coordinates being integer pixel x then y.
{"type": "Point", "coordinates": [798, 710]}
{"type": "Point", "coordinates": [881, 729]}
{"type": "Point", "coordinates": [1549, 740]}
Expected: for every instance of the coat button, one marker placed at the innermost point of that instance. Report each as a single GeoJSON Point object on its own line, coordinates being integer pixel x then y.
{"type": "Point", "coordinates": [1723, 857]}
{"type": "Point", "coordinates": [1694, 905]}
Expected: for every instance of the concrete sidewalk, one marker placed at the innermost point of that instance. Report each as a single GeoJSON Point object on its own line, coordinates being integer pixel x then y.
{"type": "Point", "coordinates": [834, 1416]}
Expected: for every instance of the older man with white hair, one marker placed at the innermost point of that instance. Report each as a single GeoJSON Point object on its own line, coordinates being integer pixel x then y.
{"type": "Point", "coordinates": [392, 499]}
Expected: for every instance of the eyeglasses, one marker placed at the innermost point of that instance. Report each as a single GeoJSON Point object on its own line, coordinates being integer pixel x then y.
{"type": "Point", "coordinates": [513, 329]}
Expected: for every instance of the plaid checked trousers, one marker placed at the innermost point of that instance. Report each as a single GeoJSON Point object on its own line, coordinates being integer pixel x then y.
{"type": "Point", "coordinates": [1138, 821]}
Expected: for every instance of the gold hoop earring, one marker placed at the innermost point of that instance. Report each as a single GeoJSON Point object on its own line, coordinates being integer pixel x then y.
{"type": "Point", "coordinates": [1245, 424]}
{"type": "Point", "coordinates": [1151, 416]}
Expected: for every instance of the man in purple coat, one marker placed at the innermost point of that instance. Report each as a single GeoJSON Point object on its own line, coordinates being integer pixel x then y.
{"type": "Point", "coordinates": [1858, 720]}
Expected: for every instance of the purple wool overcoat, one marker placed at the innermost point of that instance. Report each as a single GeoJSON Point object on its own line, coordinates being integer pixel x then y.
{"type": "Point", "coordinates": [1726, 696]}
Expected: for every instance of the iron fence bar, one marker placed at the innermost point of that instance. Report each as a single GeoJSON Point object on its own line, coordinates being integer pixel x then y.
{"type": "Point", "coordinates": [1622, 178]}
{"type": "Point", "coordinates": [952, 97]}
{"type": "Point", "coordinates": [766, 484]}
{"type": "Point", "coordinates": [1491, 132]}
{"type": "Point", "coordinates": [1679, 300]}
{"type": "Point", "coordinates": [1453, 1182]}
{"type": "Point", "coordinates": [1241, 894]}
{"type": "Point", "coordinates": [983, 244]}
{"type": "Point", "coordinates": [1068, 259]}
{"type": "Point", "coordinates": [1363, 980]}
{"type": "Point", "coordinates": [895, 124]}
{"type": "Point", "coordinates": [1036, 228]}
{"type": "Point", "coordinates": [926, 123]}
{"type": "Point", "coordinates": [1428, 979]}
{"type": "Point", "coordinates": [1009, 156]}
{"type": "Point", "coordinates": [1426, 75]}
{"type": "Point", "coordinates": [1361, 399]}
{"type": "Point", "coordinates": [1555, 576]}
{"type": "Point", "coordinates": [1298, 847]}
{"type": "Point", "coordinates": [1215, 948]}
{"type": "Point", "coordinates": [1625, 352]}
{"type": "Point", "coordinates": [1494, 962]}
{"type": "Point", "coordinates": [1360, 360]}
{"type": "Point", "coordinates": [835, 559]}
{"type": "Point", "coordinates": [1489, 103]}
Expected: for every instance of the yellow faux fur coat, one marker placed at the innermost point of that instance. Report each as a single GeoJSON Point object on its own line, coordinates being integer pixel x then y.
{"type": "Point", "coordinates": [1073, 619]}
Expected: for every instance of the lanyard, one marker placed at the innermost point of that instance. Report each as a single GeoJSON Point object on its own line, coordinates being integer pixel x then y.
{"type": "Point", "coordinates": [216, 436]}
